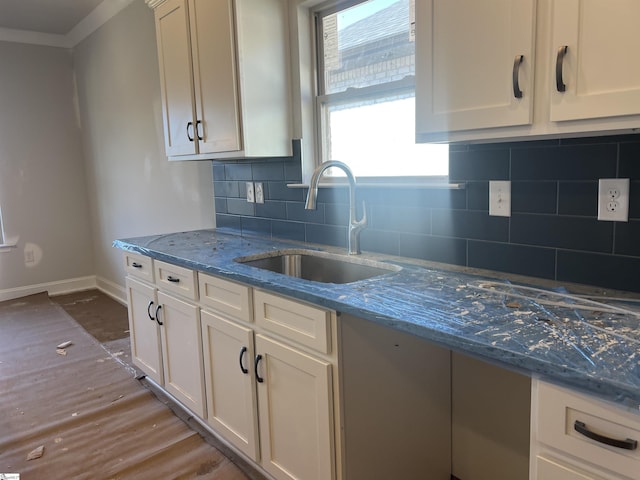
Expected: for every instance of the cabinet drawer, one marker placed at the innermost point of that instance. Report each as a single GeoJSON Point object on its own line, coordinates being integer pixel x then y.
{"type": "Point", "coordinates": [227, 297]}
{"type": "Point", "coordinates": [172, 278]}
{"type": "Point", "coordinates": [561, 410]}
{"type": "Point", "coordinates": [138, 266]}
{"type": "Point", "coordinates": [550, 469]}
{"type": "Point", "coordinates": [295, 321]}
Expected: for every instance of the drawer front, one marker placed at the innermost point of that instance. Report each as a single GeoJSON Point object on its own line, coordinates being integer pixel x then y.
{"type": "Point", "coordinates": [172, 278]}
{"type": "Point", "coordinates": [138, 266]}
{"type": "Point", "coordinates": [561, 410]}
{"type": "Point", "coordinates": [299, 322]}
{"type": "Point", "coordinates": [224, 296]}
{"type": "Point", "coordinates": [549, 469]}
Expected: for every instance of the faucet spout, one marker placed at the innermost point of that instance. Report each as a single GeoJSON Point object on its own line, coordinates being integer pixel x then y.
{"type": "Point", "coordinates": [355, 225]}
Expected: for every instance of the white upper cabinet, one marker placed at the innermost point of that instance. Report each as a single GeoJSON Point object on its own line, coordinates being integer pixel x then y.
{"type": "Point", "coordinates": [577, 75]}
{"type": "Point", "coordinates": [597, 70]}
{"type": "Point", "coordinates": [474, 64]}
{"type": "Point", "coordinates": [224, 77]}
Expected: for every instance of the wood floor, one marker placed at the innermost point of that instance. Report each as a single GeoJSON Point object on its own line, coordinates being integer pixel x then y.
{"type": "Point", "coordinates": [85, 406]}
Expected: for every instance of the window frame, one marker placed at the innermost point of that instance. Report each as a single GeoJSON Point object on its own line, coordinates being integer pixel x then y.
{"type": "Point", "coordinates": [318, 11]}
{"type": "Point", "coordinates": [305, 126]}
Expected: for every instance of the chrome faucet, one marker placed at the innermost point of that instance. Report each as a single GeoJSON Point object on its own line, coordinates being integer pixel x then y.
{"type": "Point", "coordinates": [355, 226]}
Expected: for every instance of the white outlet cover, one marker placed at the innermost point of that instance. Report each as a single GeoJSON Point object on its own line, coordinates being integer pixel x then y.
{"type": "Point", "coordinates": [500, 198]}
{"type": "Point", "coordinates": [251, 198]}
{"type": "Point", "coordinates": [613, 199]}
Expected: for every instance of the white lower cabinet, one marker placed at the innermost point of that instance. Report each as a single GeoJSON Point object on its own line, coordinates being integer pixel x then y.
{"type": "Point", "coordinates": [165, 328]}
{"type": "Point", "coordinates": [578, 437]}
{"type": "Point", "coordinates": [296, 414]}
{"type": "Point", "coordinates": [144, 331]}
{"type": "Point", "coordinates": [230, 381]}
{"type": "Point", "coordinates": [181, 342]}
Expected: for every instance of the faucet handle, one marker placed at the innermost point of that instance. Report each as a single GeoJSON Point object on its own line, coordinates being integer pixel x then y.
{"type": "Point", "coordinates": [363, 221]}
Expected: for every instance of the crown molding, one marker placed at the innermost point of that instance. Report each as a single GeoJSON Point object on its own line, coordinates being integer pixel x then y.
{"type": "Point", "coordinates": [154, 3]}
{"type": "Point", "coordinates": [98, 17]}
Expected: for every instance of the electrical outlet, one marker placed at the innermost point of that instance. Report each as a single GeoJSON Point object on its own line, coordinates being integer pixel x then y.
{"type": "Point", "coordinates": [251, 197]}
{"type": "Point", "coordinates": [29, 257]}
{"type": "Point", "coordinates": [613, 199]}
{"type": "Point", "coordinates": [259, 192]}
{"type": "Point", "coordinates": [500, 198]}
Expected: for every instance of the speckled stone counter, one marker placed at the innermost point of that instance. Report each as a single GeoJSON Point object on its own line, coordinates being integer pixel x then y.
{"type": "Point", "coordinates": [578, 342]}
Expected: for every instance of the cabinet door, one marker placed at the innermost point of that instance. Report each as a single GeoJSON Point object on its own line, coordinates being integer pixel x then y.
{"type": "Point", "coordinates": [295, 412]}
{"type": "Point", "coordinates": [176, 79]}
{"type": "Point", "coordinates": [214, 66]}
{"type": "Point", "coordinates": [182, 351]}
{"type": "Point", "coordinates": [145, 335]}
{"type": "Point", "coordinates": [467, 64]}
{"type": "Point", "coordinates": [601, 77]}
{"type": "Point", "coordinates": [229, 380]}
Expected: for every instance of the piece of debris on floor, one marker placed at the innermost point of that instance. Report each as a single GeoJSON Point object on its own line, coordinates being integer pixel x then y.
{"type": "Point", "coordinates": [66, 344]}
{"type": "Point", "coordinates": [36, 453]}
{"type": "Point", "coordinates": [61, 351]}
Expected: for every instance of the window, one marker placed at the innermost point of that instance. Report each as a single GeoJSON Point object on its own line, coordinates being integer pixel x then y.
{"type": "Point", "coordinates": [366, 91]}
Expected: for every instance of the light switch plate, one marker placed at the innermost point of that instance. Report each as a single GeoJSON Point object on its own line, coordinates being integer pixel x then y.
{"type": "Point", "coordinates": [259, 192]}
{"type": "Point", "coordinates": [500, 198]}
{"type": "Point", "coordinates": [251, 197]}
{"type": "Point", "coordinates": [613, 199]}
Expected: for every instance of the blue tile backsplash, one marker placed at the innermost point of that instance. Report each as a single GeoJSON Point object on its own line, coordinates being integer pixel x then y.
{"type": "Point", "coordinates": [553, 232]}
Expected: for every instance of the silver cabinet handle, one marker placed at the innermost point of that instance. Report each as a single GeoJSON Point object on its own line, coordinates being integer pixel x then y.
{"type": "Point", "coordinates": [515, 76]}
{"type": "Point", "coordinates": [562, 51]}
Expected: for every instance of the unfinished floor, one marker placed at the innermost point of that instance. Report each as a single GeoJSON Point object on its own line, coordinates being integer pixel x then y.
{"type": "Point", "coordinates": [82, 408]}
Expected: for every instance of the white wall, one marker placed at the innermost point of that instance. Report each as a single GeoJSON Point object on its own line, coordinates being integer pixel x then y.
{"type": "Point", "coordinates": [133, 189]}
{"type": "Point", "coordinates": [42, 181]}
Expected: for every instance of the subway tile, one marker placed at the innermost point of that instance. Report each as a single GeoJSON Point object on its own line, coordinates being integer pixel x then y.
{"type": "Point", "coordinates": [479, 165]}
{"type": "Point", "coordinates": [600, 139]}
{"type": "Point", "coordinates": [630, 161]}
{"type": "Point", "coordinates": [256, 226]}
{"type": "Point", "coordinates": [220, 205]}
{"type": "Point", "coordinates": [268, 170]}
{"type": "Point", "coordinates": [579, 162]}
{"type": "Point", "coordinates": [423, 197]}
{"type": "Point", "coordinates": [333, 195]}
{"type": "Point", "coordinates": [534, 197]}
{"type": "Point", "coordinates": [478, 196]}
{"type": "Point", "coordinates": [470, 224]}
{"type": "Point", "coordinates": [578, 198]}
{"type": "Point", "coordinates": [228, 222]}
{"type": "Point", "coordinates": [297, 212]}
{"type": "Point", "coordinates": [607, 271]}
{"type": "Point", "coordinates": [326, 234]}
{"type": "Point", "coordinates": [225, 189]}
{"type": "Point", "coordinates": [408, 219]}
{"type": "Point", "coordinates": [627, 238]}
{"type": "Point", "coordinates": [518, 259]}
{"type": "Point", "coordinates": [271, 209]}
{"type": "Point", "coordinates": [238, 171]}
{"type": "Point", "coordinates": [335, 214]}
{"type": "Point", "coordinates": [239, 206]}
{"type": "Point", "coordinates": [436, 249]}
{"type": "Point", "coordinates": [379, 241]}
{"type": "Point", "coordinates": [576, 233]}
{"type": "Point", "coordinates": [218, 171]}
{"type": "Point", "coordinates": [280, 191]}
{"type": "Point", "coordinates": [288, 230]}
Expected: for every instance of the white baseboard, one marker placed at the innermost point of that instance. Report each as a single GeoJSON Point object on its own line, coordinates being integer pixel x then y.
{"type": "Point", "coordinates": [114, 290]}
{"type": "Point", "coordinates": [58, 287]}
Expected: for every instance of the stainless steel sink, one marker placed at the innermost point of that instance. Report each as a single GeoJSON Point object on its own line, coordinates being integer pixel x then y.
{"type": "Point", "coordinates": [319, 266]}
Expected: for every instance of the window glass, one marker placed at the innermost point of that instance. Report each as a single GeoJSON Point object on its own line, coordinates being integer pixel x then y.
{"type": "Point", "coordinates": [366, 101]}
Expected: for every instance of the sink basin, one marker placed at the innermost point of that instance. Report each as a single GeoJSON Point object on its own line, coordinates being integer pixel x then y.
{"type": "Point", "coordinates": [319, 266]}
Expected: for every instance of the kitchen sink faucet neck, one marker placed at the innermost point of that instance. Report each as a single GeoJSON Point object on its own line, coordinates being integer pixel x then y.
{"type": "Point", "coordinates": [355, 225]}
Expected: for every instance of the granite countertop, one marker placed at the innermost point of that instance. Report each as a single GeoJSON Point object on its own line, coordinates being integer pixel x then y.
{"type": "Point", "coordinates": [590, 344]}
